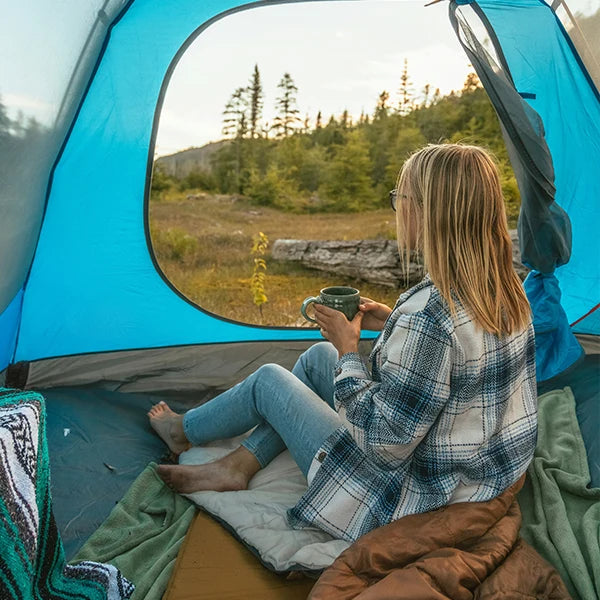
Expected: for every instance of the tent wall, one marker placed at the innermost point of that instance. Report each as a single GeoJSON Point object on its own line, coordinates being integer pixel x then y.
{"type": "Point", "coordinates": [554, 82]}
{"type": "Point", "coordinates": [47, 52]}
{"type": "Point", "coordinates": [164, 370]}
{"type": "Point", "coordinates": [582, 21]}
{"type": "Point", "coordinates": [94, 285]}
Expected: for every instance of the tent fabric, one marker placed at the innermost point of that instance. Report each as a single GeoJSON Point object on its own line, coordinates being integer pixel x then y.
{"type": "Point", "coordinates": [181, 368]}
{"type": "Point", "coordinates": [9, 326]}
{"type": "Point", "coordinates": [556, 347]}
{"type": "Point", "coordinates": [544, 227]}
{"type": "Point", "coordinates": [38, 100]}
{"type": "Point", "coordinates": [542, 64]}
{"type": "Point", "coordinates": [94, 285]}
{"type": "Point", "coordinates": [582, 23]}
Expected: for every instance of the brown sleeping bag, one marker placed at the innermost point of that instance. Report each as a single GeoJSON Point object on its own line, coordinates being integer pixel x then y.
{"type": "Point", "coordinates": [465, 550]}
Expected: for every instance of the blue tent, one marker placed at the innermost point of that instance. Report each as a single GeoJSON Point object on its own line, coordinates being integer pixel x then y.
{"type": "Point", "coordinates": [82, 298]}
{"type": "Point", "coordinates": [80, 274]}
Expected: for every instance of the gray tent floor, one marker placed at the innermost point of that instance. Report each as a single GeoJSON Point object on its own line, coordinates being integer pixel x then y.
{"type": "Point", "coordinates": [100, 441]}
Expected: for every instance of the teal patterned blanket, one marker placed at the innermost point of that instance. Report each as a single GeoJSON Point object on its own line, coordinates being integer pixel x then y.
{"type": "Point", "coordinates": [32, 561]}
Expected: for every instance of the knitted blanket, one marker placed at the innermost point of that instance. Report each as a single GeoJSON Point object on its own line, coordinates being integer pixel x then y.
{"type": "Point", "coordinates": [32, 562]}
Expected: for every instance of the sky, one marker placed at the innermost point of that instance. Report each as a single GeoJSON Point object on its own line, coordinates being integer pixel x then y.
{"type": "Point", "coordinates": [341, 55]}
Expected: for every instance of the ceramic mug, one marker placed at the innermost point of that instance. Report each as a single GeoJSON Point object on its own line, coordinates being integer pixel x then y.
{"type": "Point", "coordinates": [339, 297]}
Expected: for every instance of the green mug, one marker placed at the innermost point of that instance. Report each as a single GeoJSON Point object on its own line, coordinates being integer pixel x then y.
{"type": "Point", "coordinates": [342, 298]}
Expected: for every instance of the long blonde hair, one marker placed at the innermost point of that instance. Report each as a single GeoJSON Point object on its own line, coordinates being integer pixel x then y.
{"type": "Point", "coordinates": [454, 192]}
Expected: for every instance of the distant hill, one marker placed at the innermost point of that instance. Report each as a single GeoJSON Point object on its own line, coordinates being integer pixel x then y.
{"type": "Point", "coordinates": [182, 163]}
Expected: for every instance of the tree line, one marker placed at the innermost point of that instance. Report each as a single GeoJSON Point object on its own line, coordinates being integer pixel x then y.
{"type": "Point", "coordinates": [342, 164]}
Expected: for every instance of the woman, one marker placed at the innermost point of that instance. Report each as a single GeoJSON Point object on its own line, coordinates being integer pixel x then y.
{"type": "Point", "coordinates": [447, 412]}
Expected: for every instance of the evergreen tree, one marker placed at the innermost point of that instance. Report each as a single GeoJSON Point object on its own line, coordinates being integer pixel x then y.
{"type": "Point", "coordinates": [426, 92]}
{"type": "Point", "coordinates": [405, 91]}
{"type": "Point", "coordinates": [235, 115]}
{"type": "Point", "coordinates": [382, 108]}
{"type": "Point", "coordinates": [234, 160]}
{"type": "Point", "coordinates": [347, 184]}
{"type": "Point", "coordinates": [345, 121]}
{"type": "Point", "coordinates": [256, 102]}
{"type": "Point", "coordinates": [306, 124]}
{"type": "Point", "coordinates": [471, 83]}
{"type": "Point", "coordinates": [407, 141]}
{"type": "Point", "coordinates": [287, 118]}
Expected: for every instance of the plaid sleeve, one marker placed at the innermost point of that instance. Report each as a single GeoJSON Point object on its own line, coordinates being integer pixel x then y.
{"type": "Point", "coordinates": [388, 418]}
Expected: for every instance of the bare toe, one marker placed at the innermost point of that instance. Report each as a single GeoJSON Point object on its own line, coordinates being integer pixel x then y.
{"type": "Point", "coordinates": [169, 427]}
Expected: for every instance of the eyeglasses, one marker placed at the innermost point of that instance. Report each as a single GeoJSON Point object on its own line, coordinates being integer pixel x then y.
{"type": "Point", "coordinates": [394, 198]}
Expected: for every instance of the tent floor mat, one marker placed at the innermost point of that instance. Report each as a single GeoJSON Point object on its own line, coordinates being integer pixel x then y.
{"type": "Point", "coordinates": [213, 565]}
{"type": "Point", "coordinates": [99, 441]}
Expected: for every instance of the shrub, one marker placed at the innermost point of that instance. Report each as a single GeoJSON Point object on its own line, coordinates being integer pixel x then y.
{"type": "Point", "coordinates": [175, 244]}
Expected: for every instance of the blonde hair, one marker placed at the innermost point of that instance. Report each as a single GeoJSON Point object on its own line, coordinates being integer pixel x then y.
{"type": "Point", "coordinates": [454, 192]}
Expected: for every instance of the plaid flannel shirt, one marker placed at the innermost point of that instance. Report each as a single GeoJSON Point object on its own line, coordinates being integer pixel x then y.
{"type": "Point", "coordinates": [448, 413]}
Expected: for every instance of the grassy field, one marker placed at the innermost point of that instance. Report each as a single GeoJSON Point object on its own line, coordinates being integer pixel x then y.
{"type": "Point", "coordinates": [203, 243]}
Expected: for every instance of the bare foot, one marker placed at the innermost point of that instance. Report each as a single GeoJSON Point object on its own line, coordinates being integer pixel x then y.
{"type": "Point", "coordinates": [228, 474]}
{"type": "Point", "coordinates": [169, 426]}
{"type": "Point", "coordinates": [214, 476]}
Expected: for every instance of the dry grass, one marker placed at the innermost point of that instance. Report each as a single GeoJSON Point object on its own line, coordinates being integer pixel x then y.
{"type": "Point", "coordinates": [203, 243]}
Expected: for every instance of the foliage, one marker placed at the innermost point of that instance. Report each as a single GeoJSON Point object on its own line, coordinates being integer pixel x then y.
{"type": "Point", "coordinates": [347, 185]}
{"type": "Point", "coordinates": [257, 282]}
{"type": "Point", "coordinates": [175, 244]}
{"type": "Point", "coordinates": [217, 276]}
{"type": "Point", "coordinates": [162, 184]}
{"type": "Point", "coordinates": [287, 119]}
{"type": "Point", "coordinates": [343, 165]}
{"type": "Point", "coordinates": [255, 102]}
{"type": "Point", "coordinates": [199, 180]}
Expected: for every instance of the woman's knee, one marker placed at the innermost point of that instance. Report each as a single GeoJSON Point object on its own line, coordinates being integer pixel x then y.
{"type": "Point", "coordinates": [271, 371]}
{"type": "Point", "coordinates": [319, 353]}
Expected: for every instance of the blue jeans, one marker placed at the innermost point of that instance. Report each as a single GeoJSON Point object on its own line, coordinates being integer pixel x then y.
{"type": "Point", "coordinates": [293, 410]}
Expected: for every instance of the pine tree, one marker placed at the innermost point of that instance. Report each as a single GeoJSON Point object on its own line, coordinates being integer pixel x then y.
{"type": "Point", "coordinates": [426, 92]}
{"type": "Point", "coordinates": [306, 124]}
{"type": "Point", "coordinates": [235, 126]}
{"type": "Point", "coordinates": [471, 83]}
{"type": "Point", "coordinates": [235, 115]}
{"type": "Point", "coordinates": [347, 183]}
{"type": "Point", "coordinates": [256, 101]}
{"type": "Point", "coordinates": [382, 108]}
{"type": "Point", "coordinates": [346, 120]}
{"type": "Point", "coordinates": [405, 91]}
{"type": "Point", "coordinates": [287, 119]}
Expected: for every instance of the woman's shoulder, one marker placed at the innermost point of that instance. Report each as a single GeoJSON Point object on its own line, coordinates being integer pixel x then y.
{"type": "Point", "coordinates": [424, 302]}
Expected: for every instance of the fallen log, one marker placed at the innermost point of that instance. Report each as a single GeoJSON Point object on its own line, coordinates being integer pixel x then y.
{"type": "Point", "coordinates": [375, 261]}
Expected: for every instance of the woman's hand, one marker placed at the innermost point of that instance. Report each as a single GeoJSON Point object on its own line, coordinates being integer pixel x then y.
{"type": "Point", "coordinates": [336, 328]}
{"type": "Point", "coordinates": [375, 314]}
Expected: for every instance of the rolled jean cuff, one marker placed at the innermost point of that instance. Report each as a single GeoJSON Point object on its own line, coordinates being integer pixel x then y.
{"type": "Point", "coordinates": [261, 457]}
{"type": "Point", "coordinates": [186, 430]}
